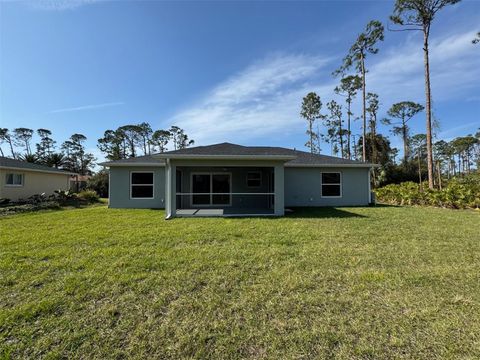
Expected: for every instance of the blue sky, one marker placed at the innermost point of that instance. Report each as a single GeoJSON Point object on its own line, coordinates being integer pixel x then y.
{"type": "Point", "coordinates": [224, 71]}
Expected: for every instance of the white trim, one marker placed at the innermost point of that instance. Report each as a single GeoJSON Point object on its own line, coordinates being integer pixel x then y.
{"type": "Point", "coordinates": [152, 185]}
{"type": "Point", "coordinates": [336, 184]}
{"type": "Point", "coordinates": [226, 157]}
{"type": "Point", "coordinates": [331, 165]}
{"type": "Point", "coordinates": [14, 185]}
{"type": "Point", "coordinates": [211, 187]}
{"type": "Point", "coordinates": [229, 193]}
{"type": "Point", "coordinates": [38, 170]}
{"type": "Point", "coordinates": [133, 164]}
{"type": "Point", "coordinates": [261, 178]}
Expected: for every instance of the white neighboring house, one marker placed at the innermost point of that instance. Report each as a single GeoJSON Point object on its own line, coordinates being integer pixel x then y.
{"type": "Point", "coordinates": [20, 179]}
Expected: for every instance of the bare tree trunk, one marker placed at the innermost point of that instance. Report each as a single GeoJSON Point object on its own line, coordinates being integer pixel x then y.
{"type": "Point", "coordinates": [310, 125]}
{"type": "Point", "coordinates": [419, 171]}
{"type": "Point", "coordinates": [364, 149]}
{"type": "Point", "coordinates": [341, 137]}
{"type": "Point", "coordinates": [11, 147]}
{"type": "Point", "coordinates": [439, 173]}
{"type": "Point", "coordinates": [428, 107]}
{"type": "Point", "coordinates": [405, 141]}
{"type": "Point", "coordinates": [349, 155]}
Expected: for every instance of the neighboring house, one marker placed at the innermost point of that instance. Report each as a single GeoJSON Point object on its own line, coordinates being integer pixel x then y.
{"type": "Point", "coordinates": [20, 179]}
{"type": "Point", "coordinates": [233, 180]}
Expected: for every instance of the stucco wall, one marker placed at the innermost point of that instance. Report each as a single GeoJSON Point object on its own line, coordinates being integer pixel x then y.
{"type": "Point", "coordinates": [119, 196]}
{"type": "Point", "coordinates": [303, 187]}
{"type": "Point", "coordinates": [33, 183]}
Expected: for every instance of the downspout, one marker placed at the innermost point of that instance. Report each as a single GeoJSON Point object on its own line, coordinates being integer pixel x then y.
{"type": "Point", "coordinates": [168, 186]}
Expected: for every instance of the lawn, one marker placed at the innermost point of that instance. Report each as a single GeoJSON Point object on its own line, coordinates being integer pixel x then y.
{"type": "Point", "coordinates": [379, 283]}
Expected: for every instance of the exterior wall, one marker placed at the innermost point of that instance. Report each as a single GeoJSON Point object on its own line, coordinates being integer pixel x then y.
{"type": "Point", "coordinates": [303, 187]}
{"type": "Point", "coordinates": [34, 182]}
{"type": "Point", "coordinates": [119, 192]}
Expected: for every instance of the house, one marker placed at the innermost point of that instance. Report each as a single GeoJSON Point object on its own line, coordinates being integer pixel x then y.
{"type": "Point", "coordinates": [233, 180]}
{"type": "Point", "coordinates": [21, 179]}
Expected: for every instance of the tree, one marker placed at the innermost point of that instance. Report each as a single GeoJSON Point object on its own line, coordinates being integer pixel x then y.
{"type": "Point", "coordinates": [99, 183]}
{"type": "Point", "coordinates": [418, 15]}
{"type": "Point", "coordinates": [145, 132]}
{"type": "Point", "coordinates": [310, 111]}
{"type": "Point", "coordinates": [76, 157]}
{"type": "Point", "coordinates": [403, 111]}
{"type": "Point", "coordinates": [56, 160]}
{"type": "Point", "coordinates": [365, 44]}
{"type": "Point", "coordinates": [372, 109]}
{"type": "Point", "coordinates": [394, 154]}
{"type": "Point", "coordinates": [46, 145]}
{"type": "Point", "coordinates": [160, 139]}
{"type": "Point", "coordinates": [334, 124]}
{"type": "Point", "coordinates": [23, 137]}
{"type": "Point", "coordinates": [7, 138]}
{"type": "Point", "coordinates": [382, 148]}
{"type": "Point", "coordinates": [180, 139]}
{"type": "Point", "coordinates": [419, 142]}
{"type": "Point", "coordinates": [477, 39]}
{"type": "Point", "coordinates": [349, 87]}
{"type": "Point", "coordinates": [130, 134]}
{"type": "Point", "coordinates": [111, 145]}
{"type": "Point", "coordinates": [30, 158]}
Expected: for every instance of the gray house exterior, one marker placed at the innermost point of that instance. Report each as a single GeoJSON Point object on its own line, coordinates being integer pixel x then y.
{"type": "Point", "coordinates": [233, 180]}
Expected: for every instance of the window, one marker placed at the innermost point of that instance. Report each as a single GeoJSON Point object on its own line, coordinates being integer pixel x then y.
{"type": "Point", "coordinates": [141, 185]}
{"type": "Point", "coordinates": [14, 180]}
{"type": "Point", "coordinates": [254, 179]}
{"type": "Point", "coordinates": [331, 185]}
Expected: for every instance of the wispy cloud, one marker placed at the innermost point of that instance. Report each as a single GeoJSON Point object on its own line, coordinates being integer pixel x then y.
{"type": "Point", "coordinates": [86, 107]}
{"type": "Point", "coordinates": [58, 5]}
{"type": "Point", "coordinates": [262, 99]}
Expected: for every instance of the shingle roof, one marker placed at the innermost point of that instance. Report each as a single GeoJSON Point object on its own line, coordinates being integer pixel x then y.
{"type": "Point", "coordinates": [147, 160]}
{"type": "Point", "coordinates": [301, 158]}
{"type": "Point", "coordinates": [18, 164]}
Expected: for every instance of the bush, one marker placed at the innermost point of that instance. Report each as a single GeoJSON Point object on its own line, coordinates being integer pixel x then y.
{"type": "Point", "coordinates": [459, 193]}
{"type": "Point", "coordinates": [15, 209]}
{"type": "Point", "coordinates": [89, 196]}
{"type": "Point", "coordinates": [99, 183]}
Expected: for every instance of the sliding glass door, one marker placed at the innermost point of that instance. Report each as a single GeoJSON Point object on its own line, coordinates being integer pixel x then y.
{"type": "Point", "coordinates": [215, 186]}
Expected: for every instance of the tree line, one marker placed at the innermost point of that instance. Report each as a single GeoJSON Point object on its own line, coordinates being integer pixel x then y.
{"type": "Point", "coordinates": [71, 155]}
{"type": "Point", "coordinates": [419, 151]}
{"type": "Point", "coordinates": [134, 140]}
{"type": "Point", "coordinates": [38, 146]}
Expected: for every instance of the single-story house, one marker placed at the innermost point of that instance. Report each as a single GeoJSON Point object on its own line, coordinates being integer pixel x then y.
{"type": "Point", "coordinates": [233, 180]}
{"type": "Point", "coordinates": [21, 179]}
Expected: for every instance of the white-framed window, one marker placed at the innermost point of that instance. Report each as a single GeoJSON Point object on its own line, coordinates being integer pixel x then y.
{"type": "Point", "coordinates": [254, 179]}
{"type": "Point", "coordinates": [141, 185]}
{"type": "Point", "coordinates": [331, 184]}
{"type": "Point", "coordinates": [14, 179]}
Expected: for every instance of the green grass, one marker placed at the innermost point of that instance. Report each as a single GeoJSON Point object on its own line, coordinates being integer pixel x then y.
{"type": "Point", "coordinates": [366, 283]}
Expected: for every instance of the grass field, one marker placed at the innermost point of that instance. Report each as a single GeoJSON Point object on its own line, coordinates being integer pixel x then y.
{"type": "Point", "coordinates": [366, 283]}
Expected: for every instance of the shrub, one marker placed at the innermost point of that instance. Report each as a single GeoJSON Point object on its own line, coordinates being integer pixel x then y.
{"type": "Point", "coordinates": [459, 193]}
{"type": "Point", "coordinates": [89, 196]}
{"type": "Point", "coordinates": [99, 183]}
{"type": "Point", "coordinates": [15, 209]}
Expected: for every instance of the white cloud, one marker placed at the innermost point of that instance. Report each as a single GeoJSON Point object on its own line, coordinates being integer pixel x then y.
{"type": "Point", "coordinates": [263, 99]}
{"type": "Point", "coordinates": [59, 5]}
{"type": "Point", "coordinates": [86, 107]}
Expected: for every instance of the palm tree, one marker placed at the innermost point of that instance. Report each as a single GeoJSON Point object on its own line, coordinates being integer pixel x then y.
{"type": "Point", "coordinates": [55, 160]}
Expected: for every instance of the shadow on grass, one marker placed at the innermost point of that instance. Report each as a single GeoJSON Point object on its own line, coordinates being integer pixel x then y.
{"type": "Point", "coordinates": [321, 212]}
